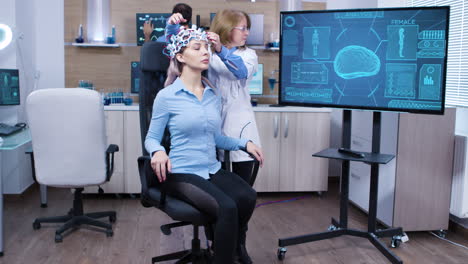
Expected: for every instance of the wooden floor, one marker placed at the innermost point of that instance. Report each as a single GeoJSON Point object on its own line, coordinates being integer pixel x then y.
{"type": "Point", "coordinates": [137, 237]}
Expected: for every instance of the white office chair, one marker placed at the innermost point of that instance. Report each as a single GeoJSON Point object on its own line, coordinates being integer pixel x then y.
{"type": "Point", "coordinates": [69, 143]}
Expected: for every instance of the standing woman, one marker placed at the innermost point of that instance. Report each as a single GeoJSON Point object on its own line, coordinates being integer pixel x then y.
{"type": "Point", "coordinates": [189, 107]}
{"type": "Point", "coordinates": [231, 69]}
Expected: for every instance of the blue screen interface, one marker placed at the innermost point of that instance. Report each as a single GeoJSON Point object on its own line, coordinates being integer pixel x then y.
{"type": "Point", "coordinates": [384, 59]}
{"type": "Point", "coordinates": [157, 20]}
{"type": "Point", "coordinates": [9, 87]}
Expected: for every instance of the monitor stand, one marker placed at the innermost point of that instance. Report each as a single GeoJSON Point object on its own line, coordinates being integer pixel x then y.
{"type": "Point", "coordinates": [340, 227]}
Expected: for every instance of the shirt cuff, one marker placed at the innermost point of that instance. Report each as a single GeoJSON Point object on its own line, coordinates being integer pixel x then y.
{"type": "Point", "coordinates": [223, 53]}
{"type": "Point", "coordinates": [156, 149]}
{"type": "Point", "coordinates": [243, 144]}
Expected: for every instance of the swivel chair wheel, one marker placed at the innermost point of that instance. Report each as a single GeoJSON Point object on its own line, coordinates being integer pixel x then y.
{"type": "Point", "coordinates": [112, 218]}
{"type": "Point", "coordinates": [36, 225]}
{"type": "Point", "coordinates": [281, 253]}
{"type": "Point", "coordinates": [109, 233]}
{"type": "Point", "coordinates": [332, 228]}
{"type": "Point", "coordinates": [396, 241]}
{"type": "Point", "coordinates": [58, 238]}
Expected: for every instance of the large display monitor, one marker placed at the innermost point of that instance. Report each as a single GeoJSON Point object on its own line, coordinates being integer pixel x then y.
{"type": "Point", "coordinates": [388, 59]}
{"type": "Point", "coordinates": [158, 20]}
{"type": "Point", "coordinates": [9, 87]}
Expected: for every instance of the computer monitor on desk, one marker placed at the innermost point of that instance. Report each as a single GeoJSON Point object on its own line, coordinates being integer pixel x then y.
{"type": "Point", "coordinates": [9, 87]}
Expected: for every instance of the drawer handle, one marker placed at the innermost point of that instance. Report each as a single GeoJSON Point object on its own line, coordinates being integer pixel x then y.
{"type": "Point", "coordinates": [275, 127]}
{"type": "Point", "coordinates": [286, 130]}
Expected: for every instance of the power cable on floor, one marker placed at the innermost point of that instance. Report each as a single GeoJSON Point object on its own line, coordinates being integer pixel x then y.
{"type": "Point", "coordinates": [451, 242]}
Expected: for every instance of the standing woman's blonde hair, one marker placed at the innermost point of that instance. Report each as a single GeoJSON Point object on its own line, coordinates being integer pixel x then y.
{"type": "Point", "coordinates": [225, 21]}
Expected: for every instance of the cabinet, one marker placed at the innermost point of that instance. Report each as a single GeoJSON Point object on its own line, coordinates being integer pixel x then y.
{"type": "Point", "coordinates": [414, 188]}
{"type": "Point", "coordinates": [123, 129]}
{"type": "Point", "coordinates": [288, 141]}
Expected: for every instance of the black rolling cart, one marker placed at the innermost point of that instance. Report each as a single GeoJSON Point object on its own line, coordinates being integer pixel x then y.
{"type": "Point", "coordinates": [339, 228]}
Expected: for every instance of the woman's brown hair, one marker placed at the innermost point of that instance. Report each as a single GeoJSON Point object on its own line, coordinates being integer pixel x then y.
{"type": "Point", "coordinates": [225, 21]}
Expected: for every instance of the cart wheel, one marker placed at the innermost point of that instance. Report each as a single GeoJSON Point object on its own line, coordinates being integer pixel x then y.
{"type": "Point", "coordinates": [109, 233]}
{"type": "Point", "coordinates": [396, 242]}
{"type": "Point", "coordinates": [36, 225]}
{"type": "Point", "coordinates": [58, 238]}
{"type": "Point", "coordinates": [112, 218]}
{"type": "Point", "coordinates": [441, 233]}
{"type": "Point", "coordinates": [281, 253]}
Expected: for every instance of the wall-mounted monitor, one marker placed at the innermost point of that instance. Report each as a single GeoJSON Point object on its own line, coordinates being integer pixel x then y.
{"type": "Point", "coordinates": [389, 59]}
{"type": "Point", "coordinates": [256, 84]}
{"type": "Point", "coordinates": [9, 87]}
{"type": "Point", "coordinates": [135, 76]}
{"type": "Point", "coordinates": [158, 20]}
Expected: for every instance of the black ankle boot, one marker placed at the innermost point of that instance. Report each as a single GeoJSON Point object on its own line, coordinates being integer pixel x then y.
{"type": "Point", "coordinates": [242, 254]}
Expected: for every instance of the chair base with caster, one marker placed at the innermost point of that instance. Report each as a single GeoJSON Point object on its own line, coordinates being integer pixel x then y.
{"type": "Point", "coordinates": [193, 255]}
{"type": "Point", "coordinates": [76, 218]}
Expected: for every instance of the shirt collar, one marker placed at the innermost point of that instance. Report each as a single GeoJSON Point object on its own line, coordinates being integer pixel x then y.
{"type": "Point", "coordinates": [181, 87]}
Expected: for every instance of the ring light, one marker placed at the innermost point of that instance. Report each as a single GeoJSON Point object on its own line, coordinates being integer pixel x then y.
{"type": "Point", "coordinates": [5, 36]}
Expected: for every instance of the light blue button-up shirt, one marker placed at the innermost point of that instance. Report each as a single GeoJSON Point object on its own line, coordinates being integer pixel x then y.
{"type": "Point", "coordinates": [195, 128]}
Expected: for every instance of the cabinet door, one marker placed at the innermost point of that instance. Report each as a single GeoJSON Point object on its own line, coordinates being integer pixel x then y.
{"type": "Point", "coordinates": [114, 131]}
{"type": "Point", "coordinates": [268, 124]}
{"type": "Point", "coordinates": [303, 134]}
{"type": "Point", "coordinates": [132, 143]}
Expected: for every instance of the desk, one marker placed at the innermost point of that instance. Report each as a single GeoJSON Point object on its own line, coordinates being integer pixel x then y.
{"type": "Point", "coordinates": [10, 143]}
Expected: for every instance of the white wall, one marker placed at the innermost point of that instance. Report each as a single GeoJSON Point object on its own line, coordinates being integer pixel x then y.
{"type": "Point", "coordinates": [38, 53]}
{"type": "Point", "coordinates": [50, 52]}
{"type": "Point", "coordinates": [340, 4]}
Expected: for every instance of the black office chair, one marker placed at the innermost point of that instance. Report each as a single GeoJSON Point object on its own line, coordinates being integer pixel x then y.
{"type": "Point", "coordinates": [153, 65]}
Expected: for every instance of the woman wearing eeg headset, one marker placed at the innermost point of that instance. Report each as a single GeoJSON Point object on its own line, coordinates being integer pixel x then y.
{"type": "Point", "coordinates": [190, 108]}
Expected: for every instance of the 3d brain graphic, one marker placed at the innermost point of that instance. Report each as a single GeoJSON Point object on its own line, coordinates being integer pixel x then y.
{"type": "Point", "coordinates": [353, 62]}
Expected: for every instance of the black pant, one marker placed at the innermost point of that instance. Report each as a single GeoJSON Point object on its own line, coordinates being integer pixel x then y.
{"type": "Point", "coordinates": [226, 198]}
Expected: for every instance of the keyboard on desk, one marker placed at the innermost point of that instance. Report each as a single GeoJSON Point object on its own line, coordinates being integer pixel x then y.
{"type": "Point", "coordinates": [6, 130]}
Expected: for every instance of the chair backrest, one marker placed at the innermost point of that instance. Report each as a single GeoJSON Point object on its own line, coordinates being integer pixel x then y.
{"type": "Point", "coordinates": [68, 136]}
{"type": "Point", "coordinates": [153, 65]}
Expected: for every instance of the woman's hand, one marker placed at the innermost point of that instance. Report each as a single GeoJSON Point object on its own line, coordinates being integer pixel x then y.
{"type": "Point", "coordinates": [215, 41]}
{"type": "Point", "coordinates": [255, 151]}
{"type": "Point", "coordinates": [176, 18]}
{"type": "Point", "coordinates": [161, 164]}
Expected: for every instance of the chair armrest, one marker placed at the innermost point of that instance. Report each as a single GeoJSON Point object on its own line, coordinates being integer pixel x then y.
{"type": "Point", "coordinates": [148, 179]}
{"type": "Point", "coordinates": [227, 165]}
{"type": "Point", "coordinates": [111, 149]}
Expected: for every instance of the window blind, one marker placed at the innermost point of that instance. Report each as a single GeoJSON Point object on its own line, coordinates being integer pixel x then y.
{"type": "Point", "coordinates": [457, 61]}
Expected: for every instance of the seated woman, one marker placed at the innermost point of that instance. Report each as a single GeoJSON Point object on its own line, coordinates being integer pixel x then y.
{"type": "Point", "coordinates": [191, 109]}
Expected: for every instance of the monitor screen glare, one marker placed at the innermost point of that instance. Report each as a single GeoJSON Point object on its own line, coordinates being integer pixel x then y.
{"type": "Point", "coordinates": [9, 87]}
{"type": "Point", "coordinates": [391, 59]}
